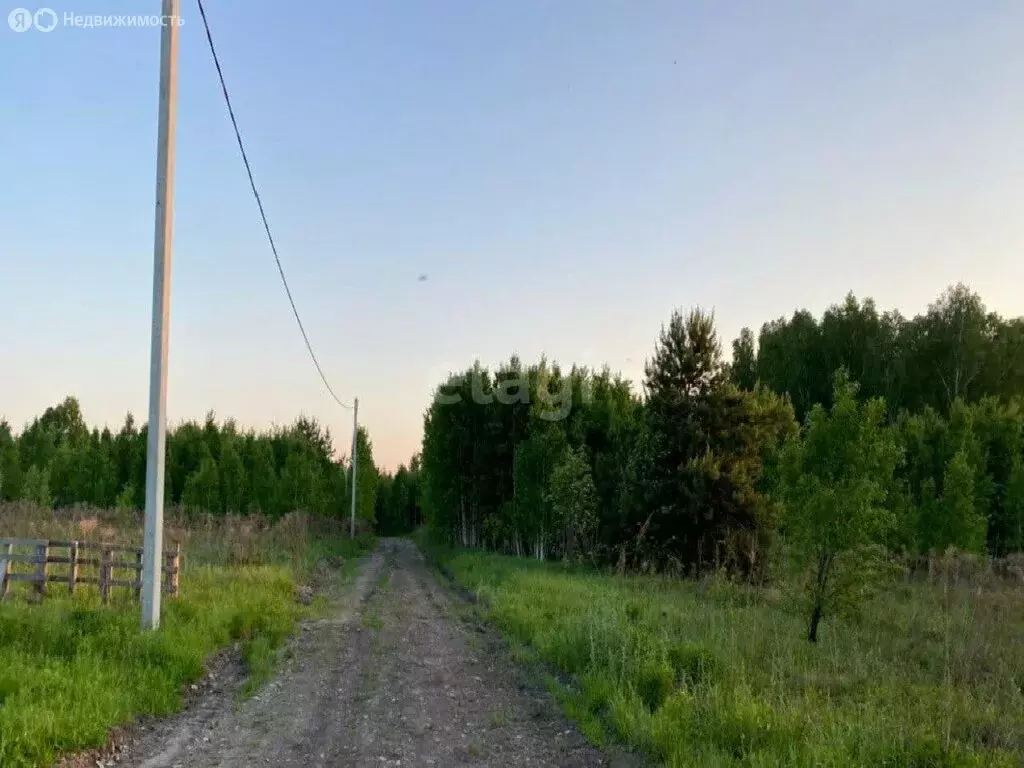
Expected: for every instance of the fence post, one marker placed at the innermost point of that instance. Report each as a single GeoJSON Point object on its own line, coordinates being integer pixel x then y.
{"type": "Point", "coordinates": [42, 555]}
{"type": "Point", "coordinates": [138, 574]}
{"type": "Point", "coordinates": [5, 571]}
{"type": "Point", "coordinates": [177, 568]}
{"type": "Point", "coordinates": [172, 561]}
{"type": "Point", "coordinates": [105, 574]}
{"type": "Point", "coordinates": [72, 567]}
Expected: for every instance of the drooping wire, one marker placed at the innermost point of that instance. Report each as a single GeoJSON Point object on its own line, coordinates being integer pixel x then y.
{"type": "Point", "coordinates": [259, 203]}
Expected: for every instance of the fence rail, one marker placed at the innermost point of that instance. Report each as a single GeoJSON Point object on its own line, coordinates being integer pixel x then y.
{"type": "Point", "coordinates": [98, 571]}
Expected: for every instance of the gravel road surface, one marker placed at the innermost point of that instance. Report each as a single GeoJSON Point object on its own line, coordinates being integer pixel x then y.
{"type": "Point", "coordinates": [394, 677]}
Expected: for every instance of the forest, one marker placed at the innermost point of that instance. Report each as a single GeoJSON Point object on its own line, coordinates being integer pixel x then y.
{"type": "Point", "coordinates": [705, 466]}
{"type": "Point", "coordinates": [212, 468]}
{"type": "Point", "coordinates": [859, 429]}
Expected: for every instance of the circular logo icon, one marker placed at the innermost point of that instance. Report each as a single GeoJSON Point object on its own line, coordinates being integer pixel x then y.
{"type": "Point", "coordinates": [20, 20]}
{"type": "Point", "coordinates": [45, 19]}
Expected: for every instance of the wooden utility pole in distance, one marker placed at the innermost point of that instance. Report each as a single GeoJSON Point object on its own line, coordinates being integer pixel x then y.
{"type": "Point", "coordinates": [355, 462]}
{"type": "Point", "coordinates": [152, 559]}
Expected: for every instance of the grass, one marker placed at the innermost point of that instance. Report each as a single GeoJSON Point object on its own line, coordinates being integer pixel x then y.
{"type": "Point", "coordinates": [499, 718]}
{"type": "Point", "coordinates": [70, 669]}
{"type": "Point", "coordinates": [715, 674]}
{"type": "Point", "coordinates": [296, 540]}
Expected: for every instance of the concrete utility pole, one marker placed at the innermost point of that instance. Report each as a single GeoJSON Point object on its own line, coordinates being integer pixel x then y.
{"type": "Point", "coordinates": [153, 545]}
{"type": "Point", "coordinates": [355, 462]}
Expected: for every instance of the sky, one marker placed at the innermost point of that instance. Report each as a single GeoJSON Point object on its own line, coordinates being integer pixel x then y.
{"type": "Point", "coordinates": [566, 173]}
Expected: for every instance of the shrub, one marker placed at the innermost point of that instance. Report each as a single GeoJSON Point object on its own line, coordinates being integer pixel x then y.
{"type": "Point", "coordinates": [694, 664]}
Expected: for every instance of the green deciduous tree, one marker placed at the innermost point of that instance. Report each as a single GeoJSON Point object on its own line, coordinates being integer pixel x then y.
{"type": "Point", "coordinates": [202, 487]}
{"type": "Point", "coordinates": [233, 492]}
{"type": "Point", "coordinates": [834, 484]}
{"type": "Point", "coordinates": [125, 499]}
{"type": "Point", "coordinates": [962, 521]}
{"type": "Point", "coordinates": [955, 350]}
{"type": "Point", "coordinates": [367, 477]}
{"type": "Point", "coordinates": [1014, 507]}
{"type": "Point", "coordinates": [36, 486]}
{"type": "Point", "coordinates": [573, 499]}
{"type": "Point", "coordinates": [10, 464]}
{"type": "Point", "coordinates": [398, 509]}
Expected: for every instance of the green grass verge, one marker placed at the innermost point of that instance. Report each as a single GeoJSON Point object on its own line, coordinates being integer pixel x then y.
{"type": "Point", "coordinates": [71, 670]}
{"type": "Point", "coordinates": [343, 553]}
{"type": "Point", "coordinates": [718, 675]}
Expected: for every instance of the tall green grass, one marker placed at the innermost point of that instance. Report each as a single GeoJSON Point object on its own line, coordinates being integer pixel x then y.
{"type": "Point", "coordinates": [70, 669]}
{"type": "Point", "coordinates": [714, 674]}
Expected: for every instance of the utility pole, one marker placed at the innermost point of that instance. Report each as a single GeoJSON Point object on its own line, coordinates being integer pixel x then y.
{"type": "Point", "coordinates": [153, 544]}
{"type": "Point", "coordinates": [355, 462]}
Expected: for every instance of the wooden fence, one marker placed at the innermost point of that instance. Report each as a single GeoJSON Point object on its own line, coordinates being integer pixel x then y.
{"type": "Point", "coordinates": [80, 562]}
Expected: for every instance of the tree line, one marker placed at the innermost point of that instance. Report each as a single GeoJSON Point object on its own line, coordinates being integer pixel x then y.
{"type": "Point", "coordinates": [703, 467]}
{"type": "Point", "coordinates": [397, 507]}
{"type": "Point", "coordinates": [956, 350]}
{"type": "Point", "coordinates": [952, 380]}
{"type": "Point", "coordinates": [211, 467]}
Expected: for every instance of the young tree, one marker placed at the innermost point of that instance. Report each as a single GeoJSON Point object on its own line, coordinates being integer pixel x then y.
{"type": "Point", "coordinates": [36, 486]}
{"type": "Point", "coordinates": [573, 500]}
{"type": "Point", "coordinates": [340, 502]}
{"type": "Point", "coordinates": [261, 476]}
{"type": "Point", "coordinates": [956, 342]}
{"type": "Point", "coordinates": [10, 464]}
{"type": "Point", "coordinates": [125, 500]}
{"type": "Point", "coordinates": [791, 360]}
{"type": "Point", "coordinates": [1014, 506]}
{"type": "Point", "coordinates": [535, 459]}
{"type": "Point", "coordinates": [232, 478]}
{"type": "Point", "coordinates": [202, 487]}
{"type": "Point", "coordinates": [958, 522]}
{"type": "Point", "coordinates": [855, 337]}
{"type": "Point", "coordinates": [300, 487]}
{"type": "Point", "coordinates": [366, 477]}
{"type": "Point", "coordinates": [129, 450]}
{"type": "Point", "coordinates": [743, 369]}
{"type": "Point", "coordinates": [834, 483]}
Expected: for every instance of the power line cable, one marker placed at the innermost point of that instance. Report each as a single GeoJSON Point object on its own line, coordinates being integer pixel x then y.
{"type": "Point", "coordinates": [259, 203]}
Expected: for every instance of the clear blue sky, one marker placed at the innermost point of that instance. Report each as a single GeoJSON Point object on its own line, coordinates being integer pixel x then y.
{"type": "Point", "coordinates": [566, 172]}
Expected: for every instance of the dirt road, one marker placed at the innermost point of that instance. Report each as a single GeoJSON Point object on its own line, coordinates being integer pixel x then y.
{"type": "Point", "coordinates": [392, 678]}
